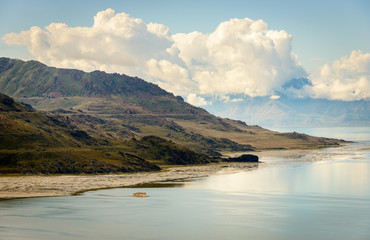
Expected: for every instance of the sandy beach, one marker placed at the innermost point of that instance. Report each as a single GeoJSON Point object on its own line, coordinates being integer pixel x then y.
{"type": "Point", "coordinates": [64, 185]}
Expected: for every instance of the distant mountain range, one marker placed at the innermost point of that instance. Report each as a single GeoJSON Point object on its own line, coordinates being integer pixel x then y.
{"type": "Point", "coordinates": [288, 111]}
{"type": "Point", "coordinates": [98, 122]}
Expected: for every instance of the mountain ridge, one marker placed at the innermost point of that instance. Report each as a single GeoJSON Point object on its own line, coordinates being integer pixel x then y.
{"type": "Point", "coordinates": [295, 112]}
{"type": "Point", "coordinates": [57, 82]}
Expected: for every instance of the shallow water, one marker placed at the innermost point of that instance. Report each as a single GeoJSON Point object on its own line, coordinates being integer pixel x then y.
{"type": "Point", "coordinates": [318, 194]}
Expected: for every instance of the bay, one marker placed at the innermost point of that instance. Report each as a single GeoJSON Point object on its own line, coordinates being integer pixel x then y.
{"type": "Point", "coordinates": [300, 194]}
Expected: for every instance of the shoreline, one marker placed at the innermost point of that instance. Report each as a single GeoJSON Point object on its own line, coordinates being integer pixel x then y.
{"type": "Point", "coordinates": [14, 187]}
{"type": "Point", "coordinates": [31, 186]}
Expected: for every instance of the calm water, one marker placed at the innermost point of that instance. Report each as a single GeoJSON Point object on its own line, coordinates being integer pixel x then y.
{"type": "Point", "coordinates": [320, 194]}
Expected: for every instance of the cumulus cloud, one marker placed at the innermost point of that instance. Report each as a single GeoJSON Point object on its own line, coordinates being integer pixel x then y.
{"type": "Point", "coordinates": [115, 43]}
{"type": "Point", "coordinates": [195, 100]}
{"type": "Point", "coordinates": [169, 76]}
{"type": "Point", "coordinates": [241, 56]}
{"type": "Point", "coordinates": [346, 79]}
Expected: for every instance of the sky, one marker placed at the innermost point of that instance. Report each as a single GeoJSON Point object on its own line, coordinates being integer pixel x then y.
{"type": "Point", "coordinates": [198, 49]}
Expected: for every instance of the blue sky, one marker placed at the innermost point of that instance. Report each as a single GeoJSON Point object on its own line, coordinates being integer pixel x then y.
{"type": "Point", "coordinates": [321, 32]}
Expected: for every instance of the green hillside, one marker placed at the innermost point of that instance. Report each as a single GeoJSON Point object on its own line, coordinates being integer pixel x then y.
{"type": "Point", "coordinates": [33, 143]}
{"type": "Point", "coordinates": [34, 79]}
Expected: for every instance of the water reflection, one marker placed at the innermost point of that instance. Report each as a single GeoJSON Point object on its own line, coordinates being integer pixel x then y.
{"type": "Point", "coordinates": [321, 194]}
{"type": "Point", "coordinates": [343, 170]}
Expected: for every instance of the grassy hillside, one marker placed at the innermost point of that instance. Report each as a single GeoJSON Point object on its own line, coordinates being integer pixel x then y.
{"type": "Point", "coordinates": [32, 143]}
{"type": "Point", "coordinates": [34, 79]}
{"type": "Point", "coordinates": [166, 152]}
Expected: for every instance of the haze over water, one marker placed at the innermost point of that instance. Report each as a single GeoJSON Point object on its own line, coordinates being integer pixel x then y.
{"type": "Point", "coordinates": [316, 194]}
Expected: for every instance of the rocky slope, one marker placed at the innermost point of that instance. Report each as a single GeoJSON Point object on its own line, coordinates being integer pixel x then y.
{"type": "Point", "coordinates": [34, 143]}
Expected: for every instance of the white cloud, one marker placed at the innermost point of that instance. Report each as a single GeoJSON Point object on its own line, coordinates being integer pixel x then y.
{"type": "Point", "coordinates": [241, 56]}
{"type": "Point", "coordinates": [195, 100]}
{"type": "Point", "coordinates": [274, 97]}
{"type": "Point", "coordinates": [115, 43]}
{"type": "Point", "coordinates": [169, 76]}
{"type": "Point", "coordinates": [346, 79]}
{"type": "Point", "coordinates": [227, 99]}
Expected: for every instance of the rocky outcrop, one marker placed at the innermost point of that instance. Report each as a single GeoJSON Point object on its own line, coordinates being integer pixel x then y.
{"type": "Point", "coordinates": [242, 158]}
{"type": "Point", "coordinates": [140, 194]}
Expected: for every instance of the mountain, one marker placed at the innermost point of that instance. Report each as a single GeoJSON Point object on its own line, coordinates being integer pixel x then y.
{"type": "Point", "coordinates": [288, 111]}
{"type": "Point", "coordinates": [32, 142]}
{"type": "Point", "coordinates": [113, 109]}
{"type": "Point", "coordinates": [34, 79]}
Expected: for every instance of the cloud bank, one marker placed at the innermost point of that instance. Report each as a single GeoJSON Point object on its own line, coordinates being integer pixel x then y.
{"type": "Point", "coordinates": [346, 79]}
{"type": "Point", "coordinates": [241, 56]}
{"type": "Point", "coordinates": [115, 43]}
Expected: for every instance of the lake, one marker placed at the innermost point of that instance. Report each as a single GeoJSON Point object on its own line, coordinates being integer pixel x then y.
{"type": "Point", "coordinates": [315, 194]}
